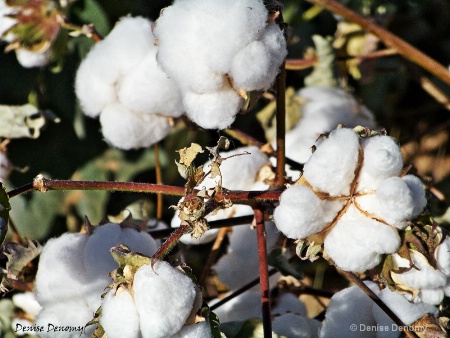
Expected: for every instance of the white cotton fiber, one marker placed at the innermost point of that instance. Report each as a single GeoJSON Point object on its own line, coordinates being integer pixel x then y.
{"type": "Point", "coordinates": [356, 243]}
{"type": "Point", "coordinates": [213, 110]}
{"type": "Point", "coordinates": [68, 313]}
{"type": "Point", "coordinates": [382, 159]}
{"type": "Point", "coordinates": [235, 270]}
{"type": "Point", "coordinates": [60, 274]}
{"type": "Point", "coordinates": [289, 303]}
{"type": "Point", "coordinates": [6, 22]}
{"type": "Point", "coordinates": [331, 169]}
{"type": "Point", "coordinates": [430, 296]}
{"type": "Point", "coordinates": [27, 302]}
{"type": "Point", "coordinates": [415, 185]}
{"type": "Point", "coordinates": [30, 59]}
{"type": "Point", "coordinates": [300, 213]}
{"type": "Point", "coordinates": [424, 276]}
{"type": "Point", "coordinates": [442, 255]}
{"type": "Point", "coordinates": [291, 325]}
{"type": "Point", "coordinates": [197, 330]}
{"type": "Point", "coordinates": [93, 93]}
{"type": "Point", "coordinates": [138, 241]}
{"type": "Point", "coordinates": [350, 306]}
{"type": "Point", "coordinates": [239, 170]}
{"type": "Point", "coordinates": [325, 108]}
{"type": "Point", "coordinates": [147, 89]}
{"type": "Point", "coordinates": [127, 129]}
{"type": "Point", "coordinates": [120, 318]}
{"type": "Point", "coordinates": [164, 297]}
{"type": "Point", "coordinates": [407, 312]}
{"type": "Point", "coordinates": [246, 305]}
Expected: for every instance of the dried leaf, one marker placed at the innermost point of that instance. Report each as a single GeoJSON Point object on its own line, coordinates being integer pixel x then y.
{"type": "Point", "coordinates": [188, 155]}
{"type": "Point", "coordinates": [20, 121]}
{"type": "Point", "coordinates": [323, 73]}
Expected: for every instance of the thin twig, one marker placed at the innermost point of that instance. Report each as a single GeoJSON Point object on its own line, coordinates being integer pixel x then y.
{"type": "Point", "coordinates": [170, 242]}
{"type": "Point", "coordinates": [390, 40]}
{"type": "Point", "coordinates": [354, 279]}
{"type": "Point", "coordinates": [281, 126]}
{"type": "Point", "coordinates": [263, 272]}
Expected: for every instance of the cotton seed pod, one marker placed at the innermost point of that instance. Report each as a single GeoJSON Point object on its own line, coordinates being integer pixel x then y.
{"type": "Point", "coordinates": [332, 168]}
{"type": "Point", "coordinates": [164, 298]}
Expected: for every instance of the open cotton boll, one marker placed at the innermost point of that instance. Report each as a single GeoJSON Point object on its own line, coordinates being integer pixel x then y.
{"type": "Point", "coordinates": [197, 330]}
{"type": "Point", "coordinates": [382, 159]}
{"type": "Point", "coordinates": [213, 110]}
{"type": "Point", "coordinates": [119, 315]}
{"type": "Point", "coordinates": [407, 312]}
{"type": "Point", "coordinates": [430, 296]}
{"type": "Point", "coordinates": [30, 59]}
{"type": "Point", "coordinates": [348, 307]}
{"type": "Point", "coordinates": [126, 129]}
{"type": "Point", "coordinates": [27, 302]}
{"type": "Point", "coordinates": [415, 185]}
{"type": "Point", "coordinates": [147, 89]}
{"type": "Point", "coordinates": [138, 241]}
{"type": "Point", "coordinates": [356, 243]}
{"type": "Point", "coordinates": [235, 270]}
{"type": "Point", "coordinates": [424, 276]}
{"type": "Point", "coordinates": [164, 298]}
{"type": "Point", "coordinates": [331, 169]}
{"type": "Point", "coordinates": [72, 315]}
{"type": "Point", "coordinates": [239, 170]}
{"type": "Point", "coordinates": [289, 303]}
{"type": "Point", "coordinates": [291, 325]}
{"type": "Point", "coordinates": [300, 213]}
{"type": "Point", "coordinates": [246, 305]}
{"type": "Point", "coordinates": [61, 273]}
{"type": "Point", "coordinates": [129, 42]}
{"type": "Point", "coordinates": [442, 255]}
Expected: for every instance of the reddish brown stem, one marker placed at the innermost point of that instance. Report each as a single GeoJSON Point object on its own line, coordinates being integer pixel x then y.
{"type": "Point", "coordinates": [263, 272]}
{"type": "Point", "coordinates": [43, 184]}
{"type": "Point", "coordinates": [390, 40]}
{"type": "Point", "coordinates": [159, 200]}
{"type": "Point", "coordinates": [170, 242]}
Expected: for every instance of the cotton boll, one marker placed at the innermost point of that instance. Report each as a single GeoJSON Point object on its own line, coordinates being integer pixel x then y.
{"type": "Point", "coordinates": [382, 159]}
{"type": "Point", "coordinates": [424, 277]}
{"type": "Point", "coordinates": [357, 243]}
{"type": "Point", "coordinates": [92, 91]}
{"type": "Point", "coordinates": [129, 42]}
{"type": "Point", "coordinates": [243, 238]}
{"type": "Point", "coordinates": [275, 43]}
{"type": "Point", "coordinates": [164, 297]}
{"type": "Point", "coordinates": [197, 330]}
{"type": "Point", "coordinates": [430, 296]}
{"type": "Point", "coordinates": [300, 213]}
{"type": "Point", "coordinates": [5, 21]}
{"type": "Point", "coordinates": [442, 255]}
{"type": "Point", "coordinates": [27, 302]}
{"type": "Point", "coordinates": [235, 270]}
{"type": "Point", "coordinates": [246, 305]}
{"type": "Point", "coordinates": [415, 185]}
{"type": "Point", "coordinates": [61, 273]}
{"type": "Point", "coordinates": [252, 68]}
{"type": "Point", "coordinates": [147, 89]}
{"type": "Point", "coordinates": [291, 325]}
{"type": "Point", "coordinates": [119, 315]}
{"type": "Point", "coordinates": [289, 303]}
{"type": "Point", "coordinates": [213, 110]}
{"type": "Point", "coordinates": [331, 169]}
{"type": "Point", "coordinates": [70, 313]}
{"type": "Point", "coordinates": [347, 307]}
{"type": "Point", "coordinates": [138, 241]}
{"type": "Point", "coordinates": [29, 59]}
{"type": "Point", "coordinates": [126, 129]}
{"type": "Point", "coordinates": [239, 170]}
{"type": "Point", "coordinates": [407, 312]}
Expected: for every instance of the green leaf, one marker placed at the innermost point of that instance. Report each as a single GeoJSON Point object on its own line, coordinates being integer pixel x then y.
{"type": "Point", "coordinates": [20, 121]}
{"type": "Point", "coordinates": [92, 12]}
{"type": "Point", "coordinates": [5, 207]}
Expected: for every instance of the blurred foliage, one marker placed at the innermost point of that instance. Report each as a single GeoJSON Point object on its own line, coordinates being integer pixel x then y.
{"type": "Point", "coordinates": [74, 148]}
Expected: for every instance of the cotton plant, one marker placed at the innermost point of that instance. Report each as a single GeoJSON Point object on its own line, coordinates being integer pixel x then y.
{"type": "Point", "coordinates": [216, 52]}
{"type": "Point", "coordinates": [133, 97]}
{"type": "Point", "coordinates": [73, 273]}
{"type": "Point", "coordinates": [352, 198]}
{"type": "Point", "coordinates": [422, 275]}
{"type": "Point", "coordinates": [352, 313]}
{"type": "Point", "coordinates": [29, 28]}
{"type": "Point", "coordinates": [151, 299]}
